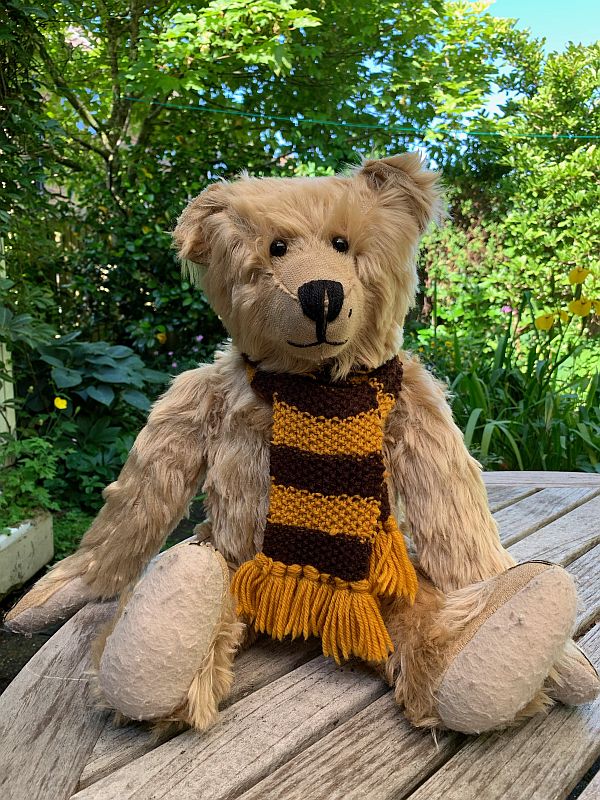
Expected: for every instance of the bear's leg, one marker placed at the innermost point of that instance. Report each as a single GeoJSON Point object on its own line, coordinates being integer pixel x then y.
{"type": "Point", "coordinates": [574, 679]}
{"type": "Point", "coordinates": [169, 654]}
{"type": "Point", "coordinates": [477, 658]}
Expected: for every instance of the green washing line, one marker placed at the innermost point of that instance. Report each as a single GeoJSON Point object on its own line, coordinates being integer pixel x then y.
{"type": "Point", "coordinates": [232, 112]}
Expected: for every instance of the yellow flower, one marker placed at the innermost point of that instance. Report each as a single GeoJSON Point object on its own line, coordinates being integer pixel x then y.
{"type": "Point", "coordinates": [544, 322]}
{"type": "Point", "coordinates": [596, 304]}
{"type": "Point", "coordinates": [162, 337]}
{"type": "Point", "coordinates": [578, 274]}
{"type": "Point", "coordinates": [564, 317]}
{"type": "Point", "coordinates": [60, 403]}
{"type": "Point", "coordinates": [581, 307]}
{"type": "Point", "coordinates": [448, 344]}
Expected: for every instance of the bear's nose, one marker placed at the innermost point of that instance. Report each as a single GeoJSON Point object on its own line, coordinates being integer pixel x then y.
{"type": "Point", "coordinates": [322, 302]}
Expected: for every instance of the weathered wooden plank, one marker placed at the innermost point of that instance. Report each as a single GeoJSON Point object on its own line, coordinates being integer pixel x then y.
{"type": "Point", "coordinates": [263, 663]}
{"type": "Point", "coordinates": [522, 518]}
{"type": "Point", "coordinates": [542, 760]}
{"type": "Point", "coordinates": [254, 737]}
{"type": "Point", "coordinates": [586, 571]}
{"type": "Point", "coordinates": [118, 746]}
{"type": "Point", "coordinates": [541, 479]}
{"type": "Point", "coordinates": [377, 755]}
{"type": "Point", "coordinates": [592, 790]}
{"type": "Point", "coordinates": [501, 496]}
{"type": "Point", "coordinates": [564, 539]}
{"type": "Point", "coordinates": [48, 723]}
{"type": "Point", "coordinates": [379, 745]}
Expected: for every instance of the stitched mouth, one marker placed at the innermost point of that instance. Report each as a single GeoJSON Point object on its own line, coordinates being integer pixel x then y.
{"type": "Point", "coordinates": [316, 344]}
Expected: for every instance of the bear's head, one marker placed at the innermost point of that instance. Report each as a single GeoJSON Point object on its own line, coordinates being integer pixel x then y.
{"type": "Point", "coordinates": [307, 271]}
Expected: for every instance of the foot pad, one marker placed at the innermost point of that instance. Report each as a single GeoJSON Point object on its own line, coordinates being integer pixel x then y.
{"type": "Point", "coordinates": [504, 663]}
{"type": "Point", "coordinates": [166, 633]}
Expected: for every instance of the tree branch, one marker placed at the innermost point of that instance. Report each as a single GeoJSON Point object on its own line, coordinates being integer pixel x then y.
{"type": "Point", "coordinates": [88, 146]}
{"type": "Point", "coordinates": [67, 162]}
{"type": "Point", "coordinates": [150, 119]}
{"type": "Point", "coordinates": [85, 114]}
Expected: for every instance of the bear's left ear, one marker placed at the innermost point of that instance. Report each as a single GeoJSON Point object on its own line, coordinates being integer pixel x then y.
{"type": "Point", "coordinates": [406, 176]}
{"type": "Point", "coordinates": [195, 227]}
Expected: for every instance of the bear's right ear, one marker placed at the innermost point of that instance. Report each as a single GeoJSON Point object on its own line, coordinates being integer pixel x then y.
{"type": "Point", "coordinates": [194, 230]}
{"type": "Point", "coordinates": [405, 178]}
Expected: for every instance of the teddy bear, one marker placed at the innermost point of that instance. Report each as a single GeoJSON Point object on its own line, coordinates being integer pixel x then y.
{"type": "Point", "coordinates": [319, 445]}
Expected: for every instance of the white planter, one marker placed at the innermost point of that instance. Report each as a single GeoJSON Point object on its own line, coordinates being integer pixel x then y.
{"type": "Point", "coordinates": [24, 551]}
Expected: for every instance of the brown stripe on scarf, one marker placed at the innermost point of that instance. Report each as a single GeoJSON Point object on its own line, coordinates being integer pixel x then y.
{"type": "Point", "coordinates": [327, 474]}
{"type": "Point", "coordinates": [323, 400]}
{"type": "Point", "coordinates": [390, 376]}
{"type": "Point", "coordinates": [346, 557]}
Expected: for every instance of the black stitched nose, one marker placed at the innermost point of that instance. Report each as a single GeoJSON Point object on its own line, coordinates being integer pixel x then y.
{"type": "Point", "coordinates": [313, 295]}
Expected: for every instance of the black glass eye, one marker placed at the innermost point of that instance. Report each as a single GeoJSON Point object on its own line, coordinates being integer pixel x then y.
{"type": "Point", "coordinates": [340, 244]}
{"type": "Point", "coordinates": [278, 248]}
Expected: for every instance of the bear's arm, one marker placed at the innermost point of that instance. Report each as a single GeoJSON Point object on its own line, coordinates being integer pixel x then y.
{"type": "Point", "coordinates": [440, 484]}
{"type": "Point", "coordinates": [161, 476]}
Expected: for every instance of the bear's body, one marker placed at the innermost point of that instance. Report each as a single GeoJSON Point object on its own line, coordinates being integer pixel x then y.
{"type": "Point", "coordinates": [307, 274]}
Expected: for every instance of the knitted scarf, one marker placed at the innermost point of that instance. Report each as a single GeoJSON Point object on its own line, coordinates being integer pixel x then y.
{"type": "Point", "coordinates": [332, 548]}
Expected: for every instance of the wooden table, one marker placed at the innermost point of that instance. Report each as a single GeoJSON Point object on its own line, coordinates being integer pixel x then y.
{"type": "Point", "coordinates": [297, 726]}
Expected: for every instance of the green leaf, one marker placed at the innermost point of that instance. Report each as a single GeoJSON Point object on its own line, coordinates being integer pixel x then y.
{"type": "Point", "coordinates": [154, 376]}
{"type": "Point", "coordinates": [54, 362]}
{"type": "Point", "coordinates": [120, 351]}
{"type": "Point", "coordinates": [136, 399]}
{"type": "Point", "coordinates": [471, 425]}
{"type": "Point", "coordinates": [112, 375]}
{"type": "Point", "coordinates": [101, 393]}
{"type": "Point", "coordinates": [104, 361]}
{"type": "Point", "coordinates": [65, 378]}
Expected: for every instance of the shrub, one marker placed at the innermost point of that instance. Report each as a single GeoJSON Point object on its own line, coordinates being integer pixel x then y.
{"type": "Point", "coordinates": [28, 467]}
{"type": "Point", "coordinates": [530, 397]}
{"type": "Point", "coordinates": [89, 399]}
{"type": "Point", "coordinates": [69, 527]}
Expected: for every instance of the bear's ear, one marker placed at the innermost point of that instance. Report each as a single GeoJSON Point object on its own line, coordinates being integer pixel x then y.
{"type": "Point", "coordinates": [406, 176]}
{"type": "Point", "coordinates": [193, 232]}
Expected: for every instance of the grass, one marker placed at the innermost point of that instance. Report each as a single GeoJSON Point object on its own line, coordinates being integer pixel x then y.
{"type": "Point", "coordinates": [69, 527]}
{"type": "Point", "coordinates": [532, 403]}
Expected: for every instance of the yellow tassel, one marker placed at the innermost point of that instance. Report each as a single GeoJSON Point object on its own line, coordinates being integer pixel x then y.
{"type": "Point", "coordinates": [245, 584]}
{"type": "Point", "coordinates": [354, 625]}
{"type": "Point", "coordinates": [318, 611]}
{"type": "Point", "coordinates": [299, 621]}
{"type": "Point", "coordinates": [392, 573]}
{"type": "Point", "coordinates": [283, 600]}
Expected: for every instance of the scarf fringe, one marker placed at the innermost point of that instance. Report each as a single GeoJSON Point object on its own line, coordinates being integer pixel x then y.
{"type": "Point", "coordinates": [392, 573]}
{"type": "Point", "coordinates": [283, 600]}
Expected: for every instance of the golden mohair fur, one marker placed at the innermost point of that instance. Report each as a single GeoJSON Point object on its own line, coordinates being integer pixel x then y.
{"type": "Point", "coordinates": [211, 431]}
{"type": "Point", "coordinates": [381, 210]}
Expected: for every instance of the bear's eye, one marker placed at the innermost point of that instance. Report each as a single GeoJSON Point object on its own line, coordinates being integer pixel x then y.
{"type": "Point", "coordinates": [278, 248]}
{"type": "Point", "coordinates": [340, 244]}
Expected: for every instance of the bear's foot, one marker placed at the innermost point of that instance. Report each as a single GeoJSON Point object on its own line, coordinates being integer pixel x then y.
{"type": "Point", "coordinates": [496, 667]}
{"type": "Point", "coordinates": [169, 656]}
{"type": "Point", "coordinates": [574, 679]}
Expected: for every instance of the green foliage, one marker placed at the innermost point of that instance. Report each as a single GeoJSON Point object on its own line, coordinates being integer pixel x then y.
{"type": "Point", "coordinates": [69, 528]}
{"type": "Point", "coordinates": [518, 396]}
{"type": "Point", "coordinates": [26, 132]}
{"type": "Point", "coordinates": [89, 399]}
{"type": "Point", "coordinates": [18, 327]}
{"type": "Point", "coordinates": [120, 157]}
{"type": "Point", "coordinates": [114, 114]}
{"type": "Point", "coordinates": [524, 215]}
{"type": "Point", "coordinates": [510, 422]}
{"type": "Point", "coordinates": [29, 465]}
{"type": "Point", "coordinates": [83, 371]}
{"type": "Point", "coordinates": [552, 226]}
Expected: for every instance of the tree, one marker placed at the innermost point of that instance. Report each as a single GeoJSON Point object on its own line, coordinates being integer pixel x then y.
{"type": "Point", "coordinates": [150, 102]}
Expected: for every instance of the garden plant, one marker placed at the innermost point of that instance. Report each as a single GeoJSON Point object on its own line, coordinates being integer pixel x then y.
{"type": "Point", "coordinates": [114, 114]}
